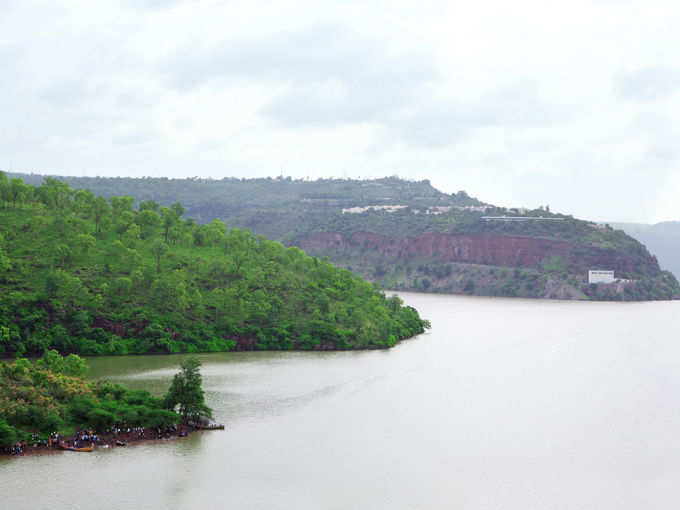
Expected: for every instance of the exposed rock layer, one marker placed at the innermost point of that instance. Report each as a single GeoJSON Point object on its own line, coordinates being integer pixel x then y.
{"type": "Point", "coordinates": [488, 249]}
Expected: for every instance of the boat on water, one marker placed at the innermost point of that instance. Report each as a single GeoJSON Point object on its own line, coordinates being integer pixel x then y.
{"type": "Point", "coordinates": [211, 426]}
{"type": "Point", "coordinates": [64, 446]}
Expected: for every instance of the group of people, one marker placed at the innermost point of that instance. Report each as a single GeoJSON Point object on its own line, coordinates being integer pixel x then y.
{"type": "Point", "coordinates": [20, 446]}
{"type": "Point", "coordinates": [88, 437]}
{"type": "Point", "coordinates": [85, 437]}
{"type": "Point", "coordinates": [140, 432]}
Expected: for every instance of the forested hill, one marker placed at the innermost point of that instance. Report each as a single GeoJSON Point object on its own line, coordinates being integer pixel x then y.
{"type": "Point", "coordinates": [410, 236]}
{"type": "Point", "coordinates": [278, 208]}
{"type": "Point", "coordinates": [82, 274]}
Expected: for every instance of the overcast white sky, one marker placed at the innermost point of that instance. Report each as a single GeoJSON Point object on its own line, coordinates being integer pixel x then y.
{"type": "Point", "coordinates": [522, 103]}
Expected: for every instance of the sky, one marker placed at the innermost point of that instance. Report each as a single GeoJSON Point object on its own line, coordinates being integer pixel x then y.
{"type": "Point", "coordinates": [566, 104]}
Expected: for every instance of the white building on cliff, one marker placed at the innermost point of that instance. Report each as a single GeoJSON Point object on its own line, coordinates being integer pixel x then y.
{"type": "Point", "coordinates": [600, 276]}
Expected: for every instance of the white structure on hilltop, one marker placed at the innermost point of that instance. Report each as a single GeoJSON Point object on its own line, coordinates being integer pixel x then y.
{"type": "Point", "coordinates": [599, 276]}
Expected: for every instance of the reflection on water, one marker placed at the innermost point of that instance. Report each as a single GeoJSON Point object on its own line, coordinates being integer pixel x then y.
{"type": "Point", "coordinates": [503, 404]}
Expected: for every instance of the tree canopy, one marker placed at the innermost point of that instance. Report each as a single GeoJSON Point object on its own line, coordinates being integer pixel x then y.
{"type": "Point", "coordinates": [186, 393]}
{"type": "Point", "coordinates": [83, 275]}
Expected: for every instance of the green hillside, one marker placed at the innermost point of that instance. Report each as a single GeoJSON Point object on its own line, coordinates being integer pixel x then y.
{"type": "Point", "coordinates": [82, 274]}
{"type": "Point", "coordinates": [279, 208]}
{"type": "Point", "coordinates": [408, 235]}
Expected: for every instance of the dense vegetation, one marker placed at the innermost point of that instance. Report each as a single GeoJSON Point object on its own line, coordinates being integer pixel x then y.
{"type": "Point", "coordinates": [82, 274]}
{"type": "Point", "coordinates": [280, 208]}
{"type": "Point", "coordinates": [52, 395]}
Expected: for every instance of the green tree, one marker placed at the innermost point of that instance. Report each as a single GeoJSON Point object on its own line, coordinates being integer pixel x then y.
{"type": "Point", "coordinates": [177, 207]}
{"type": "Point", "coordinates": [100, 210]}
{"type": "Point", "coordinates": [74, 366]}
{"type": "Point", "coordinates": [158, 249]}
{"type": "Point", "coordinates": [186, 392]}
{"type": "Point", "coordinates": [17, 190]}
{"type": "Point", "coordinates": [124, 220]}
{"type": "Point", "coordinates": [55, 194]}
{"type": "Point", "coordinates": [63, 253]}
{"type": "Point", "coordinates": [148, 205]}
{"type": "Point", "coordinates": [8, 435]}
{"type": "Point", "coordinates": [119, 205]}
{"type": "Point", "coordinates": [4, 188]}
{"type": "Point", "coordinates": [51, 360]}
{"type": "Point", "coordinates": [148, 220]}
{"type": "Point", "coordinates": [168, 219]}
{"type": "Point", "coordinates": [84, 201]}
{"type": "Point", "coordinates": [5, 263]}
{"type": "Point", "coordinates": [85, 243]}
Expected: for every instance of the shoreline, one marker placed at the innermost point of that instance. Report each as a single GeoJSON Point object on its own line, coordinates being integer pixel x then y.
{"type": "Point", "coordinates": [107, 441]}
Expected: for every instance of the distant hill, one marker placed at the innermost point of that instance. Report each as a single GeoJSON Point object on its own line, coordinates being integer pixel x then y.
{"type": "Point", "coordinates": [662, 239]}
{"type": "Point", "coordinates": [408, 235]}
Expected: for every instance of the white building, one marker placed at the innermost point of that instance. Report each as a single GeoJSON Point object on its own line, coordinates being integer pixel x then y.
{"type": "Point", "coordinates": [598, 276]}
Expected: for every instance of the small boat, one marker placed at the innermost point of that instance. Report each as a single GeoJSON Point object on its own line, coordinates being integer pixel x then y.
{"type": "Point", "coordinates": [84, 449]}
{"type": "Point", "coordinates": [64, 446]}
{"type": "Point", "coordinates": [211, 426]}
{"type": "Point", "coordinates": [121, 443]}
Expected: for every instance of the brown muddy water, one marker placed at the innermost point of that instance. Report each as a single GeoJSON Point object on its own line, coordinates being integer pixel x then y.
{"type": "Point", "coordinates": [504, 404]}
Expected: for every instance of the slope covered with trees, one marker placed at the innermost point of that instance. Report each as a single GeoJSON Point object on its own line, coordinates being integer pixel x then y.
{"type": "Point", "coordinates": [80, 273]}
{"type": "Point", "coordinates": [408, 235]}
{"type": "Point", "coordinates": [279, 208]}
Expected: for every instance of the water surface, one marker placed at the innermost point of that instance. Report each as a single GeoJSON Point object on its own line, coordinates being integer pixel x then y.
{"type": "Point", "coordinates": [504, 404]}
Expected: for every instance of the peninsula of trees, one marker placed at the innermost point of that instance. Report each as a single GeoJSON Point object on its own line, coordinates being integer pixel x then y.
{"type": "Point", "coordinates": [52, 395]}
{"type": "Point", "coordinates": [80, 273]}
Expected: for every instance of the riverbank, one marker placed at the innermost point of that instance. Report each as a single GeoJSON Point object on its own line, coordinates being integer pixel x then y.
{"type": "Point", "coordinates": [126, 437]}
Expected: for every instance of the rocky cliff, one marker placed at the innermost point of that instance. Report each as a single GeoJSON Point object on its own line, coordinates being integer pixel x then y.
{"type": "Point", "coordinates": [485, 249]}
{"type": "Point", "coordinates": [494, 264]}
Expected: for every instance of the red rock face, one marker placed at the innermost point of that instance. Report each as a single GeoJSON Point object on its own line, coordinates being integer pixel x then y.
{"type": "Point", "coordinates": [489, 249]}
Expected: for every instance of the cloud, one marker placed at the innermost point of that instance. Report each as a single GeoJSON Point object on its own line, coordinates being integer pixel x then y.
{"type": "Point", "coordinates": [647, 84]}
{"type": "Point", "coordinates": [446, 122]}
{"type": "Point", "coordinates": [480, 96]}
{"type": "Point", "coordinates": [326, 75]}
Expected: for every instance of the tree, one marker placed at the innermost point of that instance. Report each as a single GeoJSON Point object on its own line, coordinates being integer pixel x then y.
{"type": "Point", "coordinates": [84, 201]}
{"type": "Point", "coordinates": [75, 366]}
{"type": "Point", "coordinates": [17, 190]}
{"type": "Point", "coordinates": [186, 393]}
{"type": "Point", "coordinates": [5, 263]}
{"type": "Point", "coordinates": [4, 187]}
{"type": "Point", "coordinates": [85, 242]}
{"type": "Point", "coordinates": [159, 249]}
{"type": "Point", "coordinates": [177, 207]}
{"type": "Point", "coordinates": [148, 220]}
{"type": "Point", "coordinates": [8, 436]}
{"type": "Point", "coordinates": [215, 232]}
{"type": "Point", "coordinates": [51, 360]}
{"type": "Point", "coordinates": [100, 209]}
{"type": "Point", "coordinates": [63, 253]}
{"type": "Point", "coordinates": [148, 205]}
{"type": "Point", "coordinates": [55, 193]}
{"type": "Point", "coordinates": [120, 205]}
{"type": "Point", "coordinates": [169, 218]}
{"type": "Point", "coordinates": [125, 220]}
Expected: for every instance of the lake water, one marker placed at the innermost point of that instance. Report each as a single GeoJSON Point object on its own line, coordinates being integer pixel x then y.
{"type": "Point", "coordinates": [504, 404]}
